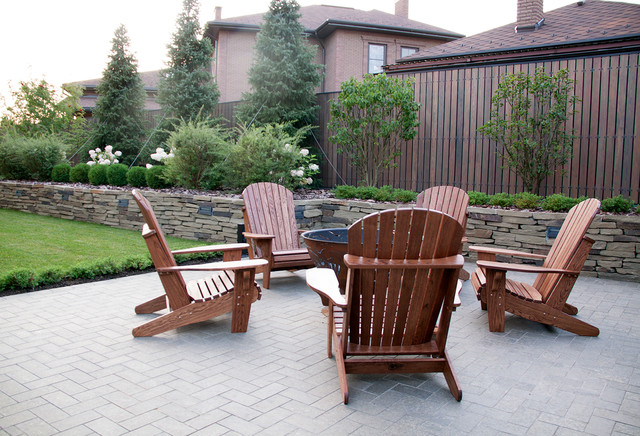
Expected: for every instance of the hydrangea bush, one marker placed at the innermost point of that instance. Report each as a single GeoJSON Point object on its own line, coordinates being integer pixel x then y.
{"type": "Point", "coordinates": [106, 157]}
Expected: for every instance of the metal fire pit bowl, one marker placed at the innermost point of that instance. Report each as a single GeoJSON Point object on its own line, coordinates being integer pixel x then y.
{"type": "Point", "coordinates": [327, 248]}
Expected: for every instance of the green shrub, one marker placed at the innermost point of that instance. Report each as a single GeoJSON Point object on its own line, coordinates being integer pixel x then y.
{"type": "Point", "coordinates": [384, 194]}
{"type": "Point", "coordinates": [136, 177]}
{"type": "Point", "coordinates": [526, 200]}
{"type": "Point", "coordinates": [478, 198]}
{"type": "Point", "coordinates": [344, 191]}
{"type": "Point", "coordinates": [60, 172]}
{"type": "Point", "coordinates": [117, 174]}
{"type": "Point", "coordinates": [29, 158]}
{"type": "Point", "coordinates": [199, 151]}
{"type": "Point", "coordinates": [270, 153]}
{"type": "Point", "coordinates": [366, 192]}
{"type": "Point", "coordinates": [559, 203]}
{"type": "Point", "coordinates": [501, 199]}
{"type": "Point", "coordinates": [98, 174]}
{"type": "Point", "coordinates": [616, 204]}
{"type": "Point", "coordinates": [404, 196]}
{"type": "Point", "coordinates": [79, 173]}
{"type": "Point", "coordinates": [155, 177]}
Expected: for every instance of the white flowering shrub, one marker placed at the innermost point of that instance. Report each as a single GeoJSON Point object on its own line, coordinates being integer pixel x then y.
{"type": "Point", "coordinates": [270, 154]}
{"type": "Point", "coordinates": [161, 155]}
{"type": "Point", "coordinates": [106, 157]}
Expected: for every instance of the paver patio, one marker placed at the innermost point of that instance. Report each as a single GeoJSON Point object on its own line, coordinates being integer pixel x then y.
{"type": "Point", "coordinates": [69, 365]}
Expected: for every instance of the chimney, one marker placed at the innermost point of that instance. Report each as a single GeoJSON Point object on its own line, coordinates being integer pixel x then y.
{"type": "Point", "coordinates": [402, 8]}
{"type": "Point", "coordinates": [218, 13]}
{"type": "Point", "coordinates": [530, 15]}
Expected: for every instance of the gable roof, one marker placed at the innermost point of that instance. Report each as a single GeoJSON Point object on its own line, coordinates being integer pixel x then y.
{"type": "Point", "coordinates": [322, 20]}
{"type": "Point", "coordinates": [581, 24]}
{"type": "Point", "coordinates": [149, 79]}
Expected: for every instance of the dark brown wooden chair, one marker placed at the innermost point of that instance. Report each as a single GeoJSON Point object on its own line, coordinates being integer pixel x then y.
{"type": "Point", "coordinates": [546, 300]}
{"type": "Point", "coordinates": [450, 200]}
{"type": "Point", "coordinates": [231, 289]}
{"type": "Point", "coordinates": [271, 229]}
{"type": "Point", "coordinates": [402, 274]}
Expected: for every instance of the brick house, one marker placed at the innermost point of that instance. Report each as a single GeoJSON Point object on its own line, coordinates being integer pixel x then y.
{"type": "Point", "coordinates": [89, 96]}
{"type": "Point", "coordinates": [350, 43]}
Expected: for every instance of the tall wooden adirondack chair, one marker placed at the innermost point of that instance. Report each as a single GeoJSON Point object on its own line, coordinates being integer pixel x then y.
{"type": "Point", "coordinates": [546, 300]}
{"type": "Point", "coordinates": [402, 274]}
{"type": "Point", "coordinates": [231, 289]}
{"type": "Point", "coordinates": [451, 200]}
{"type": "Point", "coordinates": [271, 229]}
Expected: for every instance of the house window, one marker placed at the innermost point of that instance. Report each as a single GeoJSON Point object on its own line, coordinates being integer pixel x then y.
{"type": "Point", "coordinates": [377, 57]}
{"type": "Point", "coordinates": [406, 51]}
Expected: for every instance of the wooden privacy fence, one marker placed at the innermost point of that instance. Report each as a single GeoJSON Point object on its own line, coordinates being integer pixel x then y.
{"type": "Point", "coordinates": [456, 101]}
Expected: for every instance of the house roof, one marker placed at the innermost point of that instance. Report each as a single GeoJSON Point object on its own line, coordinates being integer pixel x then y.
{"type": "Point", "coordinates": [149, 79]}
{"type": "Point", "coordinates": [322, 20]}
{"type": "Point", "coordinates": [583, 23]}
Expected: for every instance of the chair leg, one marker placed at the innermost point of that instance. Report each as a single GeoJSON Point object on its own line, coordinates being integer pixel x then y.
{"type": "Point", "coordinates": [153, 305]}
{"type": "Point", "coordinates": [544, 314]}
{"type": "Point", "coordinates": [495, 289]}
{"type": "Point", "coordinates": [452, 380]}
{"type": "Point", "coordinates": [342, 372]}
{"type": "Point", "coordinates": [185, 315]}
{"type": "Point", "coordinates": [266, 277]}
{"type": "Point", "coordinates": [242, 287]}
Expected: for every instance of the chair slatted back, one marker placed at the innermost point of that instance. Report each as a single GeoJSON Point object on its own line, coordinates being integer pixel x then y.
{"type": "Point", "coordinates": [269, 210]}
{"type": "Point", "coordinates": [565, 247]}
{"type": "Point", "coordinates": [448, 199]}
{"type": "Point", "coordinates": [390, 306]}
{"type": "Point", "coordinates": [174, 284]}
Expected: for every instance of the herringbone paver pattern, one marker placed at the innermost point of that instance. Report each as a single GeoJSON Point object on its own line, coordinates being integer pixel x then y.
{"type": "Point", "coordinates": [69, 365]}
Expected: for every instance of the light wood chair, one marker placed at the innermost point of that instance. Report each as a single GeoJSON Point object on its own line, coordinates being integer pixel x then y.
{"type": "Point", "coordinates": [451, 200]}
{"type": "Point", "coordinates": [271, 229]}
{"type": "Point", "coordinates": [231, 289]}
{"type": "Point", "coordinates": [394, 317]}
{"type": "Point", "coordinates": [546, 300]}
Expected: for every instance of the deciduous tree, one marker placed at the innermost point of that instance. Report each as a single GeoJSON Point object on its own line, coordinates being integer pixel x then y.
{"type": "Point", "coordinates": [369, 120]}
{"type": "Point", "coordinates": [529, 121]}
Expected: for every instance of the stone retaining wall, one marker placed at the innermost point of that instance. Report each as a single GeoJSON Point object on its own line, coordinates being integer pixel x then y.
{"type": "Point", "coordinates": [615, 254]}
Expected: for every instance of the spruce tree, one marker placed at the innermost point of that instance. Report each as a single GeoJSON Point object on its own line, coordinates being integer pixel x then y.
{"type": "Point", "coordinates": [283, 76]}
{"type": "Point", "coordinates": [120, 105]}
{"type": "Point", "coordinates": [186, 87]}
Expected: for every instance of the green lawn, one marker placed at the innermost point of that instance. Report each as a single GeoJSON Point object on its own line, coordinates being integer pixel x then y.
{"type": "Point", "coordinates": [41, 244]}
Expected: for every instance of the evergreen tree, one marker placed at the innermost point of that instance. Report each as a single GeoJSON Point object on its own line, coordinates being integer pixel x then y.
{"type": "Point", "coordinates": [283, 76]}
{"type": "Point", "coordinates": [120, 105]}
{"type": "Point", "coordinates": [186, 87]}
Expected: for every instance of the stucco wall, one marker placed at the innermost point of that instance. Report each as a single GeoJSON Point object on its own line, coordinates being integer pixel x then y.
{"type": "Point", "coordinates": [615, 254]}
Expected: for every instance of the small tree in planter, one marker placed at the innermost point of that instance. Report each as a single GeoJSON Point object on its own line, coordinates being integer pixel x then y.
{"type": "Point", "coordinates": [529, 120]}
{"type": "Point", "coordinates": [370, 119]}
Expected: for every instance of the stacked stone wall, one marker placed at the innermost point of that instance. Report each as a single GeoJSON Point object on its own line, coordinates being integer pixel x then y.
{"type": "Point", "coordinates": [615, 253]}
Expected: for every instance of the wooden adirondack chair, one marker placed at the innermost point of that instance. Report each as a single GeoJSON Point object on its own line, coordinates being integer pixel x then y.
{"type": "Point", "coordinates": [231, 289]}
{"type": "Point", "coordinates": [450, 200]}
{"type": "Point", "coordinates": [271, 230]}
{"type": "Point", "coordinates": [402, 275]}
{"type": "Point", "coordinates": [546, 300]}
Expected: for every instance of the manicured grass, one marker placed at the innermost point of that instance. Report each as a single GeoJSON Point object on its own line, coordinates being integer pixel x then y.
{"type": "Point", "coordinates": [34, 245]}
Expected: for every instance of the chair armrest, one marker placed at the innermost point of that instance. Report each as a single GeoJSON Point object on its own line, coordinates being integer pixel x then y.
{"type": "Point", "coordinates": [521, 267]}
{"type": "Point", "coordinates": [359, 262]}
{"type": "Point", "coordinates": [250, 235]}
{"type": "Point", "coordinates": [217, 266]}
{"type": "Point", "coordinates": [505, 252]}
{"type": "Point", "coordinates": [325, 283]}
{"type": "Point", "coordinates": [212, 248]}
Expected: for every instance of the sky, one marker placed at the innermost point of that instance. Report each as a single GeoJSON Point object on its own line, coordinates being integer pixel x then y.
{"type": "Point", "coordinates": [66, 40]}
